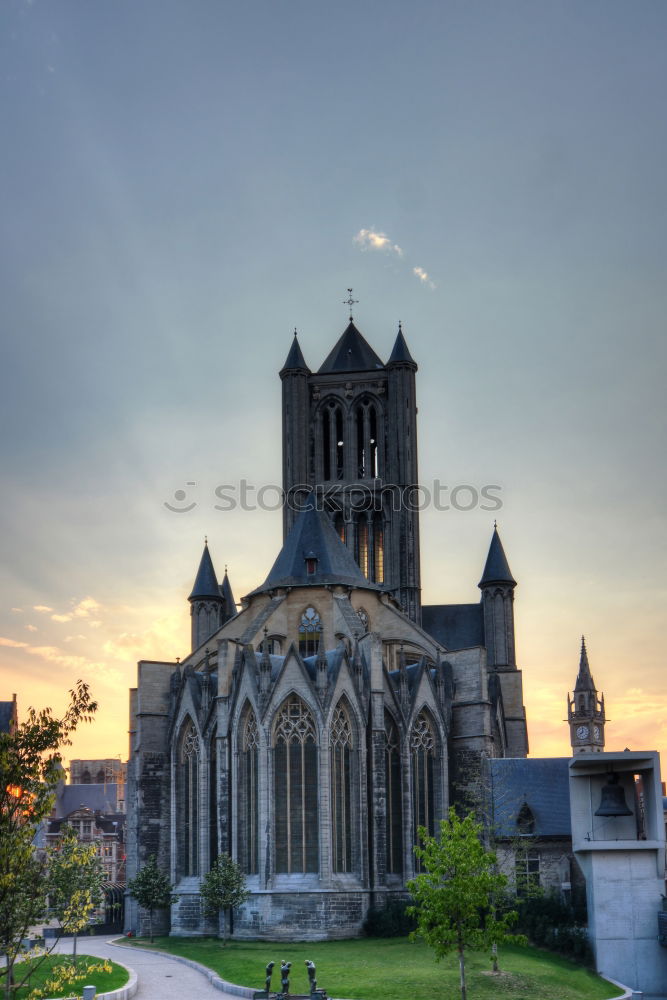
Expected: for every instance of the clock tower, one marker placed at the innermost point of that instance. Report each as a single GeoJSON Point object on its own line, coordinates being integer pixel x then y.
{"type": "Point", "coordinates": [585, 711]}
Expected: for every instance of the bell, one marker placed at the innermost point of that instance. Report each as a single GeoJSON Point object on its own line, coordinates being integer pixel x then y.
{"type": "Point", "coordinates": [612, 802]}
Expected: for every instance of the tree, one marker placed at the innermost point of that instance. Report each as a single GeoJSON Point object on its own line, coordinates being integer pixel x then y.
{"type": "Point", "coordinates": [152, 890]}
{"type": "Point", "coordinates": [223, 888]}
{"type": "Point", "coordinates": [74, 881]}
{"type": "Point", "coordinates": [454, 900]}
{"type": "Point", "coordinates": [30, 768]}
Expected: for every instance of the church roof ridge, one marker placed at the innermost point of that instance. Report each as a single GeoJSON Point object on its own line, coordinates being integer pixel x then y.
{"type": "Point", "coordinates": [351, 353]}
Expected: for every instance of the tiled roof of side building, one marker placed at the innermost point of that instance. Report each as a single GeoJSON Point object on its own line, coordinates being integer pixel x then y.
{"type": "Point", "coordinates": [98, 798]}
{"type": "Point", "coordinates": [541, 783]}
{"type": "Point", "coordinates": [454, 626]}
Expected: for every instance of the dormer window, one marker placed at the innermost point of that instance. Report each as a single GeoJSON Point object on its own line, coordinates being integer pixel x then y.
{"type": "Point", "coordinates": [311, 564]}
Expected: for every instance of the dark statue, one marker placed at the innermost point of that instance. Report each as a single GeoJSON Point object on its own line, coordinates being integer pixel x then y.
{"type": "Point", "coordinates": [284, 976]}
{"type": "Point", "coordinates": [311, 976]}
{"type": "Point", "coordinates": [269, 973]}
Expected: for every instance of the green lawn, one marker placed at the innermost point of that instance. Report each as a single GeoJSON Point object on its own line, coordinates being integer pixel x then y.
{"type": "Point", "coordinates": [104, 981]}
{"type": "Point", "coordinates": [394, 969]}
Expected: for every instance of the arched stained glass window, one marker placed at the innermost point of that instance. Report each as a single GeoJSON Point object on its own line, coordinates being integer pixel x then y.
{"type": "Point", "coordinates": [341, 789]}
{"type": "Point", "coordinates": [310, 632]}
{"type": "Point", "coordinates": [248, 819]}
{"type": "Point", "coordinates": [422, 752]}
{"type": "Point", "coordinates": [187, 790]}
{"type": "Point", "coordinates": [295, 788]}
{"type": "Point", "coordinates": [213, 798]}
{"type": "Point", "coordinates": [394, 828]}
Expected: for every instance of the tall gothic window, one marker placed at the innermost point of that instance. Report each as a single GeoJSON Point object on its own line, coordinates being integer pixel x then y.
{"type": "Point", "coordinates": [394, 828]}
{"type": "Point", "coordinates": [310, 631]}
{"type": "Point", "coordinates": [188, 799]}
{"type": "Point", "coordinates": [248, 820]}
{"type": "Point", "coordinates": [295, 788]}
{"type": "Point", "coordinates": [422, 750]}
{"type": "Point", "coordinates": [213, 799]}
{"type": "Point", "coordinates": [378, 549]}
{"type": "Point", "coordinates": [341, 791]}
{"type": "Point", "coordinates": [367, 440]}
{"type": "Point", "coordinates": [362, 550]}
{"type": "Point", "coordinates": [333, 441]}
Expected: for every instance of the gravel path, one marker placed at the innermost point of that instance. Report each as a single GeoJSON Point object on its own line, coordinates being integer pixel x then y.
{"type": "Point", "coordinates": [160, 977]}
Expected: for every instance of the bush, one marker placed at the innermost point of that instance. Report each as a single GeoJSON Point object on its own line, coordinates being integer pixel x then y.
{"type": "Point", "coordinates": [552, 923]}
{"type": "Point", "coordinates": [390, 920]}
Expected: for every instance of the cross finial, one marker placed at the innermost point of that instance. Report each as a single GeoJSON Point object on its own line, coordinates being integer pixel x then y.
{"type": "Point", "coordinates": [349, 301]}
{"type": "Point", "coordinates": [205, 539]}
{"type": "Point", "coordinates": [295, 331]}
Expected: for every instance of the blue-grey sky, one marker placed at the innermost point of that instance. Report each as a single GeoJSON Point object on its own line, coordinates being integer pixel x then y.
{"type": "Point", "coordinates": [183, 183]}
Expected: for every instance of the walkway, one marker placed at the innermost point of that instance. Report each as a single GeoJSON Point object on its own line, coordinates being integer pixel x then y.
{"type": "Point", "coordinates": [160, 977]}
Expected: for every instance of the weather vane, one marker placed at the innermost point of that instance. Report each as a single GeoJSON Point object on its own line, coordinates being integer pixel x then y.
{"type": "Point", "coordinates": [349, 301]}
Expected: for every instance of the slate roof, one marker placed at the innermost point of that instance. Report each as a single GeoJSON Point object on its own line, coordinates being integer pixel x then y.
{"type": "Point", "coordinates": [400, 354]}
{"type": "Point", "coordinates": [206, 583]}
{"type": "Point", "coordinates": [6, 715]}
{"type": "Point", "coordinates": [454, 626]}
{"type": "Point", "coordinates": [496, 569]}
{"type": "Point", "coordinates": [351, 354]}
{"type": "Point", "coordinates": [314, 535]}
{"type": "Point", "coordinates": [542, 783]}
{"type": "Point", "coordinates": [295, 360]}
{"type": "Point", "coordinates": [98, 798]}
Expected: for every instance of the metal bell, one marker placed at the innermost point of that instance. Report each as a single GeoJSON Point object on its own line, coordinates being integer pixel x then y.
{"type": "Point", "coordinates": [612, 801]}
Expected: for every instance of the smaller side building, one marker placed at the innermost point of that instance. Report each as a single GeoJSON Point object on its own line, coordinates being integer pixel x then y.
{"type": "Point", "coordinates": [92, 810]}
{"type": "Point", "coordinates": [530, 826]}
{"type": "Point", "coordinates": [9, 717]}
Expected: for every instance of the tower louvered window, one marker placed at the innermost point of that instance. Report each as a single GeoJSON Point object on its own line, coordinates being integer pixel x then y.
{"type": "Point", "coordinates": [394, 827]}
{"type": "Point", "coordinates": [333, 441]}
{"type": "Point", "coordinates": [341, 793]}
{"type": "Point", "coordinates": [188, 799]}
{"type": "Point", "coordinates": [248, 828]}
{"type": "Point", "coordinates": [422, 750]}
{"type": "Point", "coordinates": [295, 788]}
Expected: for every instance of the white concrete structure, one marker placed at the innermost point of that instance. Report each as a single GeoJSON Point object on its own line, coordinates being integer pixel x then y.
{"type": "Point", "coordinates": [623, 860]}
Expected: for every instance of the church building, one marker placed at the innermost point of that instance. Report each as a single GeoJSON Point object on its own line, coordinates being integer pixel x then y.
{"type": "Point", "coordinates": [312, 731]}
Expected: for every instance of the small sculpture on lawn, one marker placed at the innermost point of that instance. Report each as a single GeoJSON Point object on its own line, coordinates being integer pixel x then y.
{"type": "Point", "coordinates": [311, 976]}
{"type": "Point", "coordinates": [269, 973]}
{"type": "Point", "coordinates": [284, 976]}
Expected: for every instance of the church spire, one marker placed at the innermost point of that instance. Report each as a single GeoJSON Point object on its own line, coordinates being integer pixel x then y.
{"type": "Point", "coordinates": [496, 568]}
{"type": "Point", "coordinates": [585, 711]}
{"type": "Point", "coordinates": [206, 584]}
{"type": "Point", "coordinates": [400, 354]}
{"type": "Point", "coordinates": [295, 361]}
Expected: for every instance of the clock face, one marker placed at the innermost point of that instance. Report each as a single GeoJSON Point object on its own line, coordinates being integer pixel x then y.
{"type": "Point", "coordinates": [582, 732]}
{"type": "Point", "coordinates": [596, 732]}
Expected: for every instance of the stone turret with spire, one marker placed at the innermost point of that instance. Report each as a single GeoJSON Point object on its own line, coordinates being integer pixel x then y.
{"type": "Point", "coordinates": [585, 711]}
{"type": "Point", "coordinates": [211, 603]}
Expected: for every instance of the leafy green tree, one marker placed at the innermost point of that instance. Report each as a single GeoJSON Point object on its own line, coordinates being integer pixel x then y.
{"type": "Point", "coordinates": [30, 768]}
{"type": "Point", "coordinates": [74, 881]}
{"type": "Point", "coordinates": [454, 899]}
{"type": "Point", "coordinates": [152, 890]}
{"type": "Point", "coordinates": [223, 888]}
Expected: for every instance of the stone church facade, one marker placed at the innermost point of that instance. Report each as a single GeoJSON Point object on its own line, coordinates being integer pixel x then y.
{"type": "Point", "coordinates": [310, 733]}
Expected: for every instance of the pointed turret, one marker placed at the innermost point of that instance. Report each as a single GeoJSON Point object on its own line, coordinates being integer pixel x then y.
{"type": "Point", "coordinates": [400, 354]}
{"type": "Point", "coordinates": [585, 711]}
{"type": "Point", "coordinates": [295, 361]}
{"type": "Point", "coordinates": [206, 583]}
{"type": "Point", "coordinates": [496, 569]}
{"type": "Point", "coordinates": [584, 680]}
{"type": "Point", "coordinates": [207, 603]}
{"type": "Point", "coordinates": [226, 591]}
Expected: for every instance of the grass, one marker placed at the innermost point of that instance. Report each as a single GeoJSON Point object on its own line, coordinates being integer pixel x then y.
{"type": "Point", "coordinates": [104, 981]}
{"type": "Point", "coordinates": [393, 969]}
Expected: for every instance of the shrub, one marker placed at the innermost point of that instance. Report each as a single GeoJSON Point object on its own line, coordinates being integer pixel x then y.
{"type": "Point", "coordinates": [549, 921]}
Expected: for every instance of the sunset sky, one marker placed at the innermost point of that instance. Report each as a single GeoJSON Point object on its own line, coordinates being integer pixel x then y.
{"type": "Point", "coordinates": [183, 183]}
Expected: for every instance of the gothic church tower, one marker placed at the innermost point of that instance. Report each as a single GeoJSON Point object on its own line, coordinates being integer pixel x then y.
{"type": "Point", "coordinates": [585, 711]}
{"type": "Point", "coordinates": [350, 435]}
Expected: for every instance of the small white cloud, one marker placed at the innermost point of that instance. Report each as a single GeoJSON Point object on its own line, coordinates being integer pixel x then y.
{"type": "Point", "coordinates": [80, 610]}
{"type": "Point", "coordinates": [17, 611]}
{"type": "Point", "coordinates": [31, 628]}
{"type": "Point", "coordinates": [423, 276]}
{"type": "Point", "coordinates": [12, 643]}
{"type": "Point", "coordinates": [61, 618]}
{"type": "Point", "coordinates": [371, 239]}
{"type": "Point", "coordinates": [44, 608]}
